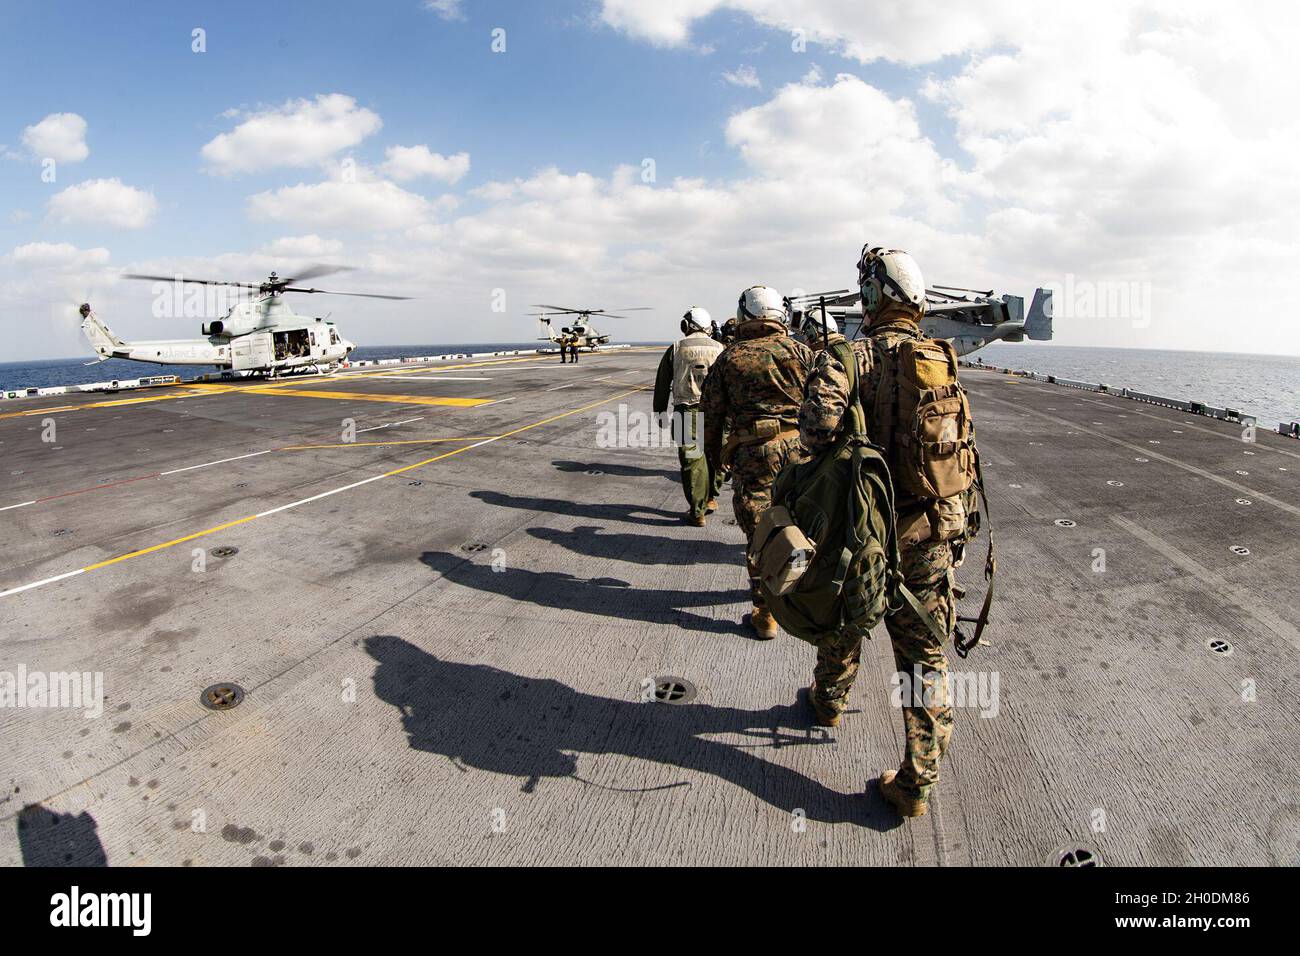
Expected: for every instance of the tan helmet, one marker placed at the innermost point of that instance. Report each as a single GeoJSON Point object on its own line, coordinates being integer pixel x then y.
{"type": "Point", "coordinates": [888, 276]}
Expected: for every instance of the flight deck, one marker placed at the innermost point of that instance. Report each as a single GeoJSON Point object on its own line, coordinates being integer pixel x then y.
{"type": "Point", "coordinates": [445, 613]}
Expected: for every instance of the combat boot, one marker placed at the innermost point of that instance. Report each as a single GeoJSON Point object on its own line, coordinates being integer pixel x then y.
{"type": "Point", "coordinates": [763, 623]}
{"type": "Point", "coordinates": [906, 804]}
{"type": "Point", "coordinates": [823, 716]}
{"type": "Point", "coordinates": [711, 506]}
{"type": "Point", "coordinates": [695, 521]}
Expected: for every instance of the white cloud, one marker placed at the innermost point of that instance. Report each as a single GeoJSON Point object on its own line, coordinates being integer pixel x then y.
{"type": "Point", "coordinates": [365, 205]}
{"type": "Point", "coordinates": [57, 256]}
{"type": "Point", "coordinates": [303, 247]}
{"type": "Point", "coordinates": [1117, 142]}
{"type": "Point", "coordinates": [298, 133]}
{"type": "Point", "coordinates": [410, 162]}
{"type": "Point", "coordinates": [41, 286]}
{"type": "Point", "coordinates": [60, 136]}
{"type": "Point", "coordinates": [104, 201]}
{"type": "Point", "coordinates": [906, 31]}
{"type": "Point", "coordinates": [447, 9]}
{"type": "Point", "coordinates": [745, 76]}
{"type": "Point", "coordinates": [690, 238]}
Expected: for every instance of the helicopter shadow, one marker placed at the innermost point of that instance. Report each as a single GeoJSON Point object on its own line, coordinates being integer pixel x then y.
{"type": "Point", "coordinates": [633, 514]}
{"type": "Point", "coordinates": [483, 718]}
{"type": "Point", "coordinates": [610, 597]}
{"type": "Point", "coordinates": [610, 468]}
{"type": "Point", "coordinates": [640, 548]}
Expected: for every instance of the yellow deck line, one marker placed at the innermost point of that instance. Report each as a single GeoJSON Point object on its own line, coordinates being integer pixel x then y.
{"type": "Point", "coordinates": [388, 474]}
{"type": "Point", "coordinates": [382, 397]}
{"type": "Point", "coordinates": [516, 431]}
{"type": "Point", "coordinates": [167, 544]}
{"type": "Point", "coordinates": [405, 441]}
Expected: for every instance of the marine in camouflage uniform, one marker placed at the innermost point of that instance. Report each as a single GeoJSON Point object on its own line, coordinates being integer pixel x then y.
{"type": "Point", "coordinates": [925, 563]}
{"type": "Point", "coordinates": [753, 393]}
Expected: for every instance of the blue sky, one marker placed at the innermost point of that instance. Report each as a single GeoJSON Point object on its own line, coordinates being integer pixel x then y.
{"type": "Point", "coordinates": [1007, 145]}
{"type": "Point", "coordinates": [569, 92]}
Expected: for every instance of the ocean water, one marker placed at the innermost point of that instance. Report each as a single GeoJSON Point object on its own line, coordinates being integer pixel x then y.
{"type": "Point", "coordinates": [1266, 386]}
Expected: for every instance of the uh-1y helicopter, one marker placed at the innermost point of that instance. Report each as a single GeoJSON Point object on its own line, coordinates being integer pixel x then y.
{"type": "Point", "coordinates": [587, 335]}
{"type": "Point", "coordinates": [261, 334]}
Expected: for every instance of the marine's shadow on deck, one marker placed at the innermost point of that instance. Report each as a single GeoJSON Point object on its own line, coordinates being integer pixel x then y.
{"type": "Point", "coordinates": [633, 514]}
{"type": "Point", "coordinates": [483, 718]}
{"type": "Point", "coordinates": [614, 468]}
{"type": "Point", "coordinates": [610, 597]}
{"type": "Point", "coordinates": [643, 548]}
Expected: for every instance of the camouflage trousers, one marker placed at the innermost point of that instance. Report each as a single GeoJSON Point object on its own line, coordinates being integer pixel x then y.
{"type": "Point", "coordinates": [927, 712]}
{"type": "Point", "coordinates": [700, 483]}
{"type": "Point", "coordinates": [753, 472]}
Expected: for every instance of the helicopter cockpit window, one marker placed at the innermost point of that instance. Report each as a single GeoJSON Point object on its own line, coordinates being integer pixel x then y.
{"type": "Point", "coordinates": [334, 337]}
{"type": "Point", "coordinates": [313, 338]}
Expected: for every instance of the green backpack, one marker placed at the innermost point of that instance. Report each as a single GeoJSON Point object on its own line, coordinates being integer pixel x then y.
{"type": "Point", "coordinates": [826, 552]}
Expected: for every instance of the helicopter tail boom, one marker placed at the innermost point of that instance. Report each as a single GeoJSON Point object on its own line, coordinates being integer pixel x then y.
{"type": "Point", "coordinates": [101, 337]}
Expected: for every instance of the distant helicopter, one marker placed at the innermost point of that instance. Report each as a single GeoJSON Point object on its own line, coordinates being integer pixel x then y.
{"type": "Point", "coordinates": [258, 335]}
{"type": "Point", "coordinates": [588, 336]}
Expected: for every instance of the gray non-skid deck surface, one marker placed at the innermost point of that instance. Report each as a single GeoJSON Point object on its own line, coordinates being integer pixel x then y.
{"type": "Point", "coordinates": [412, 701]}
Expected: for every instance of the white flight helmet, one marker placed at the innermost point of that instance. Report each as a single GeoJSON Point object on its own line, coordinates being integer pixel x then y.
{"type": "Point", "coordinates": [889, 275]}
{"type": "Point", "coordinates": [696, 319]}
{"type": "Point", "coordinates": [814, 320]}
{"type": "Point", "coordinates": [760, 302]}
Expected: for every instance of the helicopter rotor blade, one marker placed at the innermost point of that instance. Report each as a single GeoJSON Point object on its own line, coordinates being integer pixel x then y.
{"type": "Point", "coordinates": [361, 295]}
{"type": "Point", "coordinates": [173, 278]}
{"type": "Point", "coordinates": [316, 271]}
{"type": "Point", "coordinates": [560, 308]}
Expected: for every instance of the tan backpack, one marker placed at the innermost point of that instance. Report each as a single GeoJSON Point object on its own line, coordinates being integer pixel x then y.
{"type": "Point", "coordinates": [920, 413]}
{"type": "Point", "coordinates": [925, 418]}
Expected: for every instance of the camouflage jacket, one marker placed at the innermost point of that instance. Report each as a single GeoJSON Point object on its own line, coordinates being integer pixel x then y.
{"type": "Point", "coordinates": [828, 385]}
{"type": "Point", "coordinates": [760, 376]}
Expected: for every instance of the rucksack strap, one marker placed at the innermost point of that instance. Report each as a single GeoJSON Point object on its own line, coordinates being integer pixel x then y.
{"type": "Point", "coordinates": [853, 406]}
{"type": "Point", "coordinates": [931, 625]}
{"type": "Point", "coordinates": [961, 643]}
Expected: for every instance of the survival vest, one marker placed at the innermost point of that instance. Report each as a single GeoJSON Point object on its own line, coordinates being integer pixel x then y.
{"type": "Point", "coordinates": [826, 551]}
{"type": "Point", "coordinates": [692, 357]}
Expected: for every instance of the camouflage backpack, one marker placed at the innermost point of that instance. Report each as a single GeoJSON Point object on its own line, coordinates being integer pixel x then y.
{"type": "Point", "coordinates": [826, 551]}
